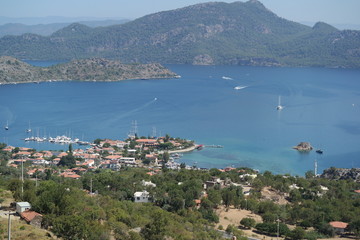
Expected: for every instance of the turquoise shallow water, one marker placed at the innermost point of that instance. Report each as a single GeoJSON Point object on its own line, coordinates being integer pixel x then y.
{"type": "Point", "coordinates": [321, 106]}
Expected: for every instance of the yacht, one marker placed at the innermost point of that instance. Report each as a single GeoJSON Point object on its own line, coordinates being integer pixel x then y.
{"type": "Point", "coordinates": [239, 87]}
{"type": "Point", "coordinates": [7, 126]}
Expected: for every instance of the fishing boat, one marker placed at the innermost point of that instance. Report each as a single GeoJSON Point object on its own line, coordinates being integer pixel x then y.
{"type": "Point", "coordinates": [279, 106]}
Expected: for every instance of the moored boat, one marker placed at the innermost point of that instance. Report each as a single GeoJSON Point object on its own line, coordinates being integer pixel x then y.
{"type": "Point", "coordinates": [319, 151]}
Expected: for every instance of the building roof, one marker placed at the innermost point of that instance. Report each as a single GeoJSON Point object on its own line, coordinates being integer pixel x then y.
{"type": "Point", "coordinates": [23, 204]}
{"type": "Point", "coordinates": [70, 175]}
{"type": "Point", "coordinates": [146, 140]}
{"type": "Point", "coordinates": [337, 224]}
{"type": "Point", "coordinates": [141, 194]}
{"type": "Point", "coordinates": [29, 215]}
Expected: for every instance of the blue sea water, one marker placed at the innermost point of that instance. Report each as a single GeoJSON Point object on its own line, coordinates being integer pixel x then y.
{"type": "Point", "coordinates": [321, 106]}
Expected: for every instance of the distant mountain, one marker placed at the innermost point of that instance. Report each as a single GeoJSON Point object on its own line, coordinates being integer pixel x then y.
{"type": "Point", "coordinates": [13, 70]}
{"type": "Point", "coordinates": [54, 19]}
{"type": "Point", "coordinates": [210, 33]}
{"type": "Point", "coordinates": [48, 29]}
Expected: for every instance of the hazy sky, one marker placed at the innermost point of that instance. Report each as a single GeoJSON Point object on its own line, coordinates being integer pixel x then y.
{"type": "Point", "coordinates": [330, 11]}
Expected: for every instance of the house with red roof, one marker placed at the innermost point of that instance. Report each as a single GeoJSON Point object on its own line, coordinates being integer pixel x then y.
{"type": "Point", "coordinates": [9, 149]}
{"type": "Point", "coordinates": [62, 154]}
{"type": "Point", "coordinates": [70, 175]}
{"type": "Point", "coordinates": [147, 142]}
{"type": "Point", "coordinates": [339, 227]}
{"type": "Point", "coordinates": [113, 157]}
{"type": "Point", "coordinates": [31, 217]}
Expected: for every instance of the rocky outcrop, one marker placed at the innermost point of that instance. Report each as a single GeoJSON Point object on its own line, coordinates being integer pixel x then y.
{"type": "Point", "coordinates": [342, 173]}
{"type": "Point", "coordinates": [304, 147]}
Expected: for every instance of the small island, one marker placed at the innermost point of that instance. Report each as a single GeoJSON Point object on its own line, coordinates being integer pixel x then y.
{"type": "Point", "coordinates": [13, 70]}
{"type": "Point", "coordinates": [303, 147]}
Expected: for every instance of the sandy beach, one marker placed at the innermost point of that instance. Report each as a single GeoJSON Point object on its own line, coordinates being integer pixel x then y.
{"type": "Point", "coordinates": [190, 149]}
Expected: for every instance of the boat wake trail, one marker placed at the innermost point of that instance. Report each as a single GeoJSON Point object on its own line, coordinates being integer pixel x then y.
{"type": "Point", "coordinates": [116, 118]}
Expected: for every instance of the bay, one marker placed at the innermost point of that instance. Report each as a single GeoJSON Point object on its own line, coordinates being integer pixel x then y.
{"type": "Point", "coordinates": [321, 106]}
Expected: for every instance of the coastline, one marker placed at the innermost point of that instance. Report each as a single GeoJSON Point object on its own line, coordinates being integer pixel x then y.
{"type": "Point", "coordinates": [91, 80]}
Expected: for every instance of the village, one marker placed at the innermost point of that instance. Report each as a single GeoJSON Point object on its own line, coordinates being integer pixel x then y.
{"type": "Point", "coordinates": [103, 154]}
{"type": "Point", "coordinates": [224, 196]}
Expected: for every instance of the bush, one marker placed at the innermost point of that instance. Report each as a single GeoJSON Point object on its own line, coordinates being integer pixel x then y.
{"type": "Point", "coordinates": [248, 222]}
{"type": "Point", "coordinates": [271, 228]}
{"type": "Point", "coordinates": [297, 234]}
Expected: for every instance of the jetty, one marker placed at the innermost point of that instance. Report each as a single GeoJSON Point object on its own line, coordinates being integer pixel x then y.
{"type": "Point", "coordinates": [213, 146]}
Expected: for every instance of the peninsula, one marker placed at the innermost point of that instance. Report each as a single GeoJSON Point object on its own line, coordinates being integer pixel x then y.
{"type": "Point", "coordinates": [13, 70]}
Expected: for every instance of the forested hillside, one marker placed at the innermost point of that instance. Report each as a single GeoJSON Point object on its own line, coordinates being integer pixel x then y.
{"type": "Point", "coordinates": [210, 33]}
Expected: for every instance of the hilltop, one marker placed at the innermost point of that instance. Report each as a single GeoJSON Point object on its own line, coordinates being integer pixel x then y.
{"type": "Point", "coordinates": [238, 33]}
{"type": "Point", "coordinates": [13, 70]}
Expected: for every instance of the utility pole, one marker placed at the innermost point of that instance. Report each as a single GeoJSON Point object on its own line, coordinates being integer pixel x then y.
{"type": "Point", "coordinates": [91, 186]}
{"type": "Point", "coordinates": [277, 236]}
{"type": "Point", "coordinates": [22, 178]}
{"type": "Point", "coordinates": [9, 227]}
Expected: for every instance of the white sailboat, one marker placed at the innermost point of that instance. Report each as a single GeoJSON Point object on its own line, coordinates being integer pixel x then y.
{"type": "Point", "coordinates": [29, 129]}
{"type": "Point", "coordinates": [279, 106]}
{"type": "Point", "coordinates": [7, 125]}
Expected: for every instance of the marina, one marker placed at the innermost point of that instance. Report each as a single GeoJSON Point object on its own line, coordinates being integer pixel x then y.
{"type": "Point", "coordinates": [57, 140]}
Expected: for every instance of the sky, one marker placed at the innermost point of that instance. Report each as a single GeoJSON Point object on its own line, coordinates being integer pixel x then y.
{"type": "Point", "coordinates": [329, 11]}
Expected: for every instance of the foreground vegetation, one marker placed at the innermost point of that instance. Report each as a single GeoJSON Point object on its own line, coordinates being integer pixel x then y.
{"type": "Point", "coordinates": [71, 211]}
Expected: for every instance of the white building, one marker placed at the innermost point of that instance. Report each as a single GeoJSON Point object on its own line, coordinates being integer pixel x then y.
{"type": "Point", "coordinates": [22, 206]}
{"type": "Point", "coordinates": [142, 197]}
{"type": "Point", "coordinates": [128, 160]}
{"type": "Point", "coordinates": [148, 184]}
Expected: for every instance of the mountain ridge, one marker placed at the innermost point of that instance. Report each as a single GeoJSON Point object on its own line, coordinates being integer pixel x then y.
{"type": "Point", "coordinates": [48, 29]}
{"type": "Point", "coordinates": [238, 33]}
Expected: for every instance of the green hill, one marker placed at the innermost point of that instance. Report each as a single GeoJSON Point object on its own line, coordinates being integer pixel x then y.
{"type": "Point", "coordinates": [210, 33]}
{"type": "Point", "coordinates": [96, 69]}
